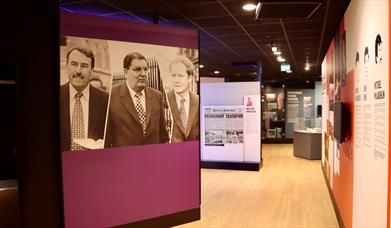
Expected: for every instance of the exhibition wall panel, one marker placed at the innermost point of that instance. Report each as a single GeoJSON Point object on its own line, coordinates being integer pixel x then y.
{"type": "Point", "coordinates": [231, 111]}
{"type": "Point", "coordinates": [300, 110]}
{"type": "Point", "coordinates": [337, 88]}
{"type": "Point", "coordinates": [366, 21]}
{"type": "Point", "coordinates": [115, 186]}
{"type": "Point", "coordinates": [355, 73]}
{"type": "Point", "coordinates": [128, 160]}
{"type": "Point", "coordinates": [318, 96]}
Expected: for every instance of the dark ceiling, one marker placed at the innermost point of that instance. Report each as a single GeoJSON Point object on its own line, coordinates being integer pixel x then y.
{"type": "Point", "coordinates": [228, 34]}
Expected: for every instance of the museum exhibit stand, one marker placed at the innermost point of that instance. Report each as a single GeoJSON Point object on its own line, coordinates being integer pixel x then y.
{"type": "Point", "coordinates": [230, 125]}
{"type": "Point", "coordinates": [273, 113]}
{"type": "Point", "coordinates": [139, 174]}
{"type": "Point", "coordinates": [307, 144]}
{"type": "Point", "coordinates": [287, 106]}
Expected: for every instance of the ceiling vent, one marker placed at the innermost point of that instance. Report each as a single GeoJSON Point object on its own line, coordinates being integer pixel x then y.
{"type": "Point", "coordinates": [286, 9]}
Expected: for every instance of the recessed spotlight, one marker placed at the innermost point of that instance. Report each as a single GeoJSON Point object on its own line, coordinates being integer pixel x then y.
{"type": "Point", "coordinates": [277, 53]}
{"type": "Point", "coordinates": [308, 81]}
{"type": "Point", "coordinates": [289, 71]}
{"type": "Point", "coordinates": [274, 49]}
{"type": "Point", "coordinates": [249, 7]}
{"type": "Point", "coordinates": [280, 59]}
{"type": "Point", "coordinates": [201, 66]}
{"type": "Point", "coordinates": [216, 72]}
{"type": "Point", "coordinates": [307, 68]}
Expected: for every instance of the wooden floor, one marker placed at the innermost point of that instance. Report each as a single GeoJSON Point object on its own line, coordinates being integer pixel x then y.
{"type": "Point", "coordinates": [9, 208]}
{"type": "Point", "coordinates": [287, 192]}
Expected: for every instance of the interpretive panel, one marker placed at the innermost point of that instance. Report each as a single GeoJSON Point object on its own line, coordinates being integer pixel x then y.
{"type": "Point", "coordinates": [223, 125]}
{"type": "Point", "coordinates": [252, 120]}
{"type": "Point", "coordinates": [300, 110]}
{"type": "Point", "coordinates": [129, 110]}
{"type": "Point", "coordinates": [230, 122]}
{"type": "Point", "coordinates": [356, 73]}
{"type": "Point", "coordinates": [367, 48]}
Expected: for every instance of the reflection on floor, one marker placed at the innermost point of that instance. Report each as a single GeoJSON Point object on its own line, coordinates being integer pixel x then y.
{"type": "Point", "coordinates": [7, 184]}
{"type": "Point", "coordinates": [9, 203]}
{"type": "Point", "coordinates": [287, 192]}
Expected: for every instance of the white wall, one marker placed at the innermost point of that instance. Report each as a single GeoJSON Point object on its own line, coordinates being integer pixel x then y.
{"type": "Point", "coordinates": [231, 94]}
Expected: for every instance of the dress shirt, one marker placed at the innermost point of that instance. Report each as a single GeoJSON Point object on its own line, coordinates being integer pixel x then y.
{"type": "Point", "coordinates": [133, 95]}
{"type": "Point", "coordinates": [84, 102]}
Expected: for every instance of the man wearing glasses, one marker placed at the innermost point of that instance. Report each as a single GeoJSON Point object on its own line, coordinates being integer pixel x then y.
{"type": "Point", "coordinates": [136, 114]}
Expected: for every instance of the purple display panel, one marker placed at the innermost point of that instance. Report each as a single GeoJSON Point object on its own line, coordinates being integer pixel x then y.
{"type": "Point", "coordinates": [116, 186]}
{"type": "Point", "coordinates": [122, 185]}
{"type": "Point", "coordinates": [123, 30]}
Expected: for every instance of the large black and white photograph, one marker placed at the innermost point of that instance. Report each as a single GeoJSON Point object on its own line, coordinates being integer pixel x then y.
{"type": "Point", "coordinates": [154, 97]}
{"type": "Point", "coordinates": [223, 125]}
{"type": "Point", "coordinates": [221, 137]}
{"type": "Point", "coordinates": [115, 94]}
{"type": "Point", "coordinates": [85, 82]}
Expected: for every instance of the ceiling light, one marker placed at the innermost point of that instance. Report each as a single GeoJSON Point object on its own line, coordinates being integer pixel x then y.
{"type": "Point", "coordinates": [216, 72]}
{"type": "Point", "coordinates": [285, 67]}
{"type": "Point", "coordinates": [249, 7]}
{"type": "Point", "coordinates": [274, 48]}
{"type": "Point", "coordinates": [201, 66]}
{"type": "Point", "coordinates": [277, 53]}
{"type": "Point", "coordinates": [280, 59]}
{"type": "Point", "coordinates": [308, 81]}
{"type": "Point", "coordinates": [307, 68]}
{"type": "Point", "coordinates": [289, 71]}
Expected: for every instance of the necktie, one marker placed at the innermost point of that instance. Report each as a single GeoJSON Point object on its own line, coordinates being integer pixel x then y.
{"type": "Point", "coordinates": [183, 113]}
{"type": "Point", "coordinates": [141, 112]}
{"type": "Point", "coordinates": [77, 127]}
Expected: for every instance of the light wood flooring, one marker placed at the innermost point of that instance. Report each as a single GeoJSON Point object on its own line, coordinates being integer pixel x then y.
{"type": "Point", "coordinates": [287, 192]}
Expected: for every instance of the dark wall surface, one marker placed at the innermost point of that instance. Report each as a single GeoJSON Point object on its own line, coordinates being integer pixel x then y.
{"type": "Point", "coordinates": [30, 45]}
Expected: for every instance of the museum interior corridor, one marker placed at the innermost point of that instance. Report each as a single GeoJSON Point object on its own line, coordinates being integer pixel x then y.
{"type": "Point", "coordinates": [288, 192]}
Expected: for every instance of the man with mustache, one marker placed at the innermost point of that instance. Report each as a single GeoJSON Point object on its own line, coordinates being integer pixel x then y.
{"type": "Point", "coordinates": [82, 107]}
{"type": "Point", "coordinates": [136, 113]}
{"type": "Point", "coordinates": [184, 104]}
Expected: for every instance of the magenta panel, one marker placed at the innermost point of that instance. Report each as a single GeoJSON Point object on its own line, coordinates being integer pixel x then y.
{"type": "Point", "coordinates": [116, 186]}
{"type": "Point", "coordinates": [121, 185]}
{"type": "Point", "coordinates": [123, 30]}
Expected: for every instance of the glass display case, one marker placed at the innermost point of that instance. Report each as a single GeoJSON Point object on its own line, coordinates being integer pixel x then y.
{"type": "Point", "coordinates": [273, 113]}
{"type": "Point", "coordinates": [307, 124]}
{"type": "Point", "coordinates": [287, 107]}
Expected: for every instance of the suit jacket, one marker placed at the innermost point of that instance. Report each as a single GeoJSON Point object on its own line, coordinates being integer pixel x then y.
{"type": "Point", "coordinates": [96, 115]}
{"type": "Point", "coordinates": [124, 127]}
{"type": "Point", "coordinates": [193, 128]}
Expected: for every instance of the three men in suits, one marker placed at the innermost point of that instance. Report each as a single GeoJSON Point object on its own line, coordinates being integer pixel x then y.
{"type": "Point", "coordinates": [82, 107]}
{"type": "Point", "coordinates": [136, 113]}
{"type": "Point", "coordinates": [183, 103]}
